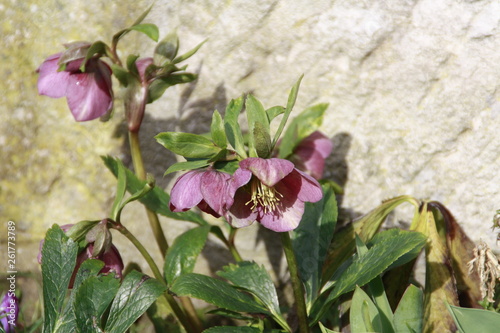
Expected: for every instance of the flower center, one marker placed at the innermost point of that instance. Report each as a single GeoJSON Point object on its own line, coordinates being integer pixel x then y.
{"type": "Point", "coordinates": [264, 196]}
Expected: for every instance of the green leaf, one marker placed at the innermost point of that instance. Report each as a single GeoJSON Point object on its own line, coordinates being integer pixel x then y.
{"type": "Point", "coordinates": [132, 66]}
{"type": "Point", "coordinates": [409, 314]}
{"type": "Point", "coordinates": [143, 15]}
{"type": "Point", "coordinates": [232, 329]}
{"type": "Point", "coordinates": [159, 85]}
{"type": "Point", "coordinates": [188, 54]}
{"type": "Point", "coordinates": [230, 314]}
{"type": "Point", "coordinates": [475, 320]}
{"type": "Point", "coordinates": [188, 165]}
{"type": "Point", "coordinates": [137, 292]}
{"type": "Point", "coordinates": [262, 140]}
{"type": "Point", "coordinates": [217, 130]}
{"type": "Point", "coordinates": [364, 269]}
{"type": "Point", "coordinates": [274, 112]}
{"type": "Point", "coordinates": [364, 315]}
{"type": "Point", "coordinates": [58, 262]}
{"type": "Point", "coordinates": [92, 298]}
{"type": "Point", "coordinates": [254, 279]}
{"type": "Point", "coordinates": [301, 127]}
{"type": "Point", "coordinates": [148, 29]}
{"type": "Point", "coordinates": [326, 330]}
{"type": "Point", "coordinates": [181, 256]}
{"type": "Point", "coordinates": [187, 144]}
{"type": "Point", "coordinates": [99, 48]}
{"type": "Point", "coordinates": [255, 114]}
{"type": "Point", "coordinates": [121, 188]}
{"type": "Point", "coordinates": [121, 74]}
{"type": "Point", "coordinates": [312, 239]}
{"type": "Point", "coordinates": [216, 292]}
{"type": "Point", "coordinates": [292, 97]}
{"type": "Point", "coordinates": [232, 127]}
{"type": "Point", "coordinates": [167, 48]}
{"type": "Point", "coordinates": [157, 200]}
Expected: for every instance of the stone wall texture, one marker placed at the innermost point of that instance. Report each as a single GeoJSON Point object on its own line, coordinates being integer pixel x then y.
{"type": "Point", "coordinates": [413, 88]}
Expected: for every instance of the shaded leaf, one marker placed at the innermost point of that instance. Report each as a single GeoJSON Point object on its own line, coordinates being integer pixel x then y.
{"type": "Point", "coordinates": [364, 315]}
{"type": "Point", "coordinates": [475, 320]}
{"type": "Point", "coordinates": [167, 48]}
{"type": "Point", "coordinates": [157, 88]}
{"type": "Point", "coordinates": [187, 144]}
{"type": "Point", "coordinates": [274, 111]}
{"type": "Point", "coordinates": [262, 141]}
{"type": "Point", "coordinates": [232, 127]}
{"type": "Point", "coordinates": [255, 114]}
{"type": "Point", "coordinates": [217, 130]}
{"type": "Point", "coordinates": [232, 329]}
{"type": "Point", "coordinates": [181, 256]}
{"type": "Point", "coordinates": [188, 165]}
{"type": "Point", "coordinates": [408, 317]}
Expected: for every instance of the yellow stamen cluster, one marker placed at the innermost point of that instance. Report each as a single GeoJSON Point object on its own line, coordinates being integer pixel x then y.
{"type": "Point", "coordinates": [263, 195]}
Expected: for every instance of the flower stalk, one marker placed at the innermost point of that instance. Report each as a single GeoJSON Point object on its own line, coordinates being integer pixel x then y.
{"type": "Point", "coordinates": [298, 288]}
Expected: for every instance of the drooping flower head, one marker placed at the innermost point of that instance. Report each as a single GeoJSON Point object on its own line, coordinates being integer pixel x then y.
{"type": "Point", "coordinates": [9, 312]}
{"type": "Point", "coordinates": [272, 192]}
{"type": "Point", "coordinates": [208, 189]}
{"type": "Point", "coordinates": [89, 94]}
{"type": "Point", "coordinates": [111, 257]}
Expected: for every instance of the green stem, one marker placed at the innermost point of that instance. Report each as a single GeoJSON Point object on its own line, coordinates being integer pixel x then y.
{"type": "Point", "coordinates": [230, 245]}
{"type": "Point", "coordinates": [135, 151]}
{"type": "Point", "coordinates": [156, 272]}
{"type": "Point", "coordinates": [298, 288]}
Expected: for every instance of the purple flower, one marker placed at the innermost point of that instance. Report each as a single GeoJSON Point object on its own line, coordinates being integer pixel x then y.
{"type": "Point", "coordinates": [89, 94]}
{"type": "Point", "coordinates": [111, 257]}
{"type": "Point", "coordinates": [208, 189]}
{"type": "Point", "coordinates": [9, 311]}
{"type": "Point", "coordinates": [310, 154]}
{"type": "Point", "coordinates": [272, 192]}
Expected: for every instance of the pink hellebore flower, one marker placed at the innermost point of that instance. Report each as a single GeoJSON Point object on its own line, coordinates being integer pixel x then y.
{"type": "Point", "coordinates": [89, 94]}
{"type": "Point", "coordinates": [112, 259]}
{"type": "Point", "coordinates": [310, 154]}
{"type": "Point", "coordinates": [208, 189]}
{"type": "Point", "coordinates": [272, 192]}
{"type": "Point", "coordinates": [9, 312]}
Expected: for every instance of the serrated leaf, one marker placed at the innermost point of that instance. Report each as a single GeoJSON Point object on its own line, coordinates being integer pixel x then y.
{"type": "Point", "coordinates": [181, 256]}
{"type": "Point", "coordinates": [188, 165]}
{"type": "Point", "coordinates": [148, 29]}
{"type": "Point", "coordinates": [255, 114]}
{"type": "Point", "coordinates": [67, 322]}
{"type": "Point", "coordinates": [58, 262]}
{"type": "Point", "coordinates": [232, 127]}
{"type": "Point", "coordinates": [274, 111]}
{"type": "Point", "coordinates": [254, 278]}
{"type": "Point", "coordinates": [167, 48]}
{"type": "Point", "coordinates": [292, 97]}
{"type": "Point", "coordinates": [136, 293]}
{"type": "Point", "coordinates": [187, 145]}
{"type": "Point", "coordinates": [475, 320]}
{"type": "Point", "coordinates": [157, 200]}
{"type": "Point", "coordinates": [217, 130]}
{"type": "Point", "coordinates": [301, 127]}
{"type": "Point", "coordinates": [312, 239]}
{"type": "Point", "coordinates": [408, 316]}
{"type": "Point", "coordinates": [158, 86]}
{"type": "Point", "coordinates": [188, 54]}
{"type": "Point", "coordinates": [216, 292]}
{"type": "Point", "coordinates": [92, 298]}
{"type": "Point", "coordinates": [373, 263]}
{"type": "Point", "coordinates": [364, 315]}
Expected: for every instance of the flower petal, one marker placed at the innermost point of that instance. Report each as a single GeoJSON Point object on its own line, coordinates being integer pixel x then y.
{"type": "Point", "coordinates": [186, 192]}
{"type": "Point", "coordinates": [89, 94]}
{"type": "Point", "coordinates": [240, 215]}
{"type": "Point", "coordinates": [52, 83]}
{"type": "Point", "coordinates": [214, 188]}
{"type": "Point", "coordinates": [269, 171]}
{"type": "Point", "coordinates": [287, 214]}
{"type": "Point", "coordinates": [308, 188]}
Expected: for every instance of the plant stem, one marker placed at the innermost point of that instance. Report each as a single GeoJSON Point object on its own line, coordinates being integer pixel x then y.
{"type": "Point", "coordinates": [156, 272]}
{"type": "Point", "coordinates": [230, 244]}
{"type": "Point", "coordinates": [298, 288]}
{"type": "Point", "coordinates": [135, 151]}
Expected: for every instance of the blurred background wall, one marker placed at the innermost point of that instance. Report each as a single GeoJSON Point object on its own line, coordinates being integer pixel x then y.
{"type": "Point", "coordinates": [412, 87]}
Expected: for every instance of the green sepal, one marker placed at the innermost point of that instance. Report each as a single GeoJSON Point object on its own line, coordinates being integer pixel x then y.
{"type": "Point", "coordinates": [188, 165]}
{"type": "Point", "coordinates": [217, 130]}
{"type": "Point", "coordinates": [187, 144]}
{"type": "Point", "coordinates": [167, 49]}
{"type": "Point", "coordinates": [232, 127]}
{"type": "Point", "coordinates": [159, 85]}
{"type": "Point", "coordinates": [188, 54]}
{"type": "Point", "coordinates": [301, 127]}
